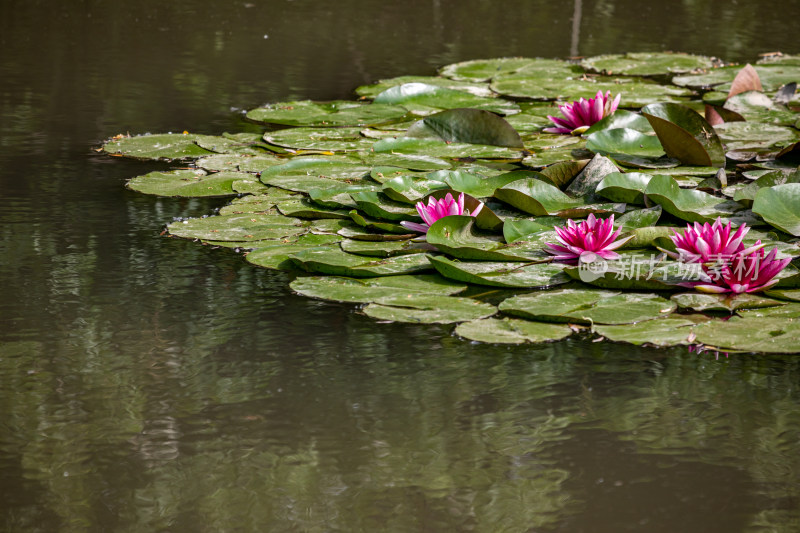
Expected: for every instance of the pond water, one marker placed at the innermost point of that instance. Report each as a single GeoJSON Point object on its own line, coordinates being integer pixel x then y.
{"type": "Point", "coordinates": [153, 384]}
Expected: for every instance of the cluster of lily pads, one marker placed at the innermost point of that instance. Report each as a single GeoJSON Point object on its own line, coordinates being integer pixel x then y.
{"type": "Point", "coordinates": [330, 190]}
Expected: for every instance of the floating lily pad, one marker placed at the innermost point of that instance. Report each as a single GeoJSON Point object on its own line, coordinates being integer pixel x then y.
{"type": "Point", "coordinates": [404, 162]}
{"type": "Point", "coordinates": [780, 206]}
{"type": "Point", "coordinates": [512, 331]}
{"type": "Point", "coordinates": [662, 332]}
{"type": "Point", "coordinates": [379, 206]}
{"type": "Point", "coordinates": [536, 197]}
{"type": "Point", "coordinates": [320, 139]}
{"type": "Point", "coordinates": [753, 136]}
{"type": "Point", "coordinates": [721, 302]}
{"type": "Point", "coordinates": [340, 263]}
{"type": "Point", "coordinates": [685, 135]}
{"type": "Point", "coordinates": [438, 148]}
{"type": "Point", "coordinates": [772, 77]}
{"type": "Point", "coordinates": [618, 143]}
{"type": "Point", "coordinates": [338, 113]}
{"type": "Point", "coordinates": [385, 248]}
{"type": "Point", "coordinates": [647, 64]}
{"type": "Point", "coordinates": [635, 93]}
{"type": "Point", "coordinates": [164, 146]}
{"type": "Point", "coordinates": [473, 87]}
{"type": "Point", "coordinates": [411, 189]}
{"type": "Point", "coordinates": [628, 187]}
{"type": "Point", "coordinates": [188, 183]}
{"type": "Point", "coordinates": [588, 306]}
{"type": "Point", "coordinates": [305, 173]}
{"type": "Point", "coordinates": [689, 205]}
{"type": "Point", "coordinates": [245, 227]}
{"type": "Point", "coordinates": [474, 126]}
{"type": "Point", "coordinates": [429, 309]}
{"type": "Point", "coordinates": [767, 334]}
{"type": "Point", "coordinates": [419, 96]}
{"type": "Point", "coordinates": [485, 69]}
{"type": "Point", "coordinates": [502, 274]}
{"type": "Point", "coordinates": [478, 186]}
{"type": "Point", "coordinates": [622, 119]}
{"type": "Point", "coordinates": [373, 289]}
{"type": "Point", "coordinates": [638, 218]}
{"type": "Point", "coordinates": [257, 203]}
{"type": "Point", "coordinates": [276, 256]}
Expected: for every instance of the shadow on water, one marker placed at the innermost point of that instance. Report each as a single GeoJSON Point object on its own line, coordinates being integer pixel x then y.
{"type": "Point", "coordinates": [149, 383]}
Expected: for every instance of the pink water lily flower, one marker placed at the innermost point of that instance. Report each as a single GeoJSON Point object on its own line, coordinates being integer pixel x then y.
{"type": "Point", "coordinates": [583, 113]}
{"type": "Point", "coordinates": [707, 242]}
{"type": "Point", "coordinates": [437, 209]}
{"type": "Point", "coordinates": [724, 264]}
{"type": "Point", "coordinates": [586, 241]}
{"type": "Point", "coordinates": [746, 271]}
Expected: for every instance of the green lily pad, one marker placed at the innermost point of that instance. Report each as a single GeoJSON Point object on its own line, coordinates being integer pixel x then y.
{"type": "Point", "coordinates": [663, 332]}
{"type": "Point", "coordinates": [379, 206]}
{"type": "Point", "coordinates": [303, 208]}
{"type": "Point", "coordinates": [458, 237]}
{"type": "Point", "coordinates": [438, 148]}
{"type": "Point", "coordinates": [231, 162]}
{"type": "Point", "coordinates": [385, 248]}
{"type": "Point", "coordinates": [512, 331]}
{"type": "Point", "coordinates": [635, 92]}
{"type": "Point", "coordinates": [525, 228]}
{"type": "Point", "coordinates": [422, 97]}
{"type": "Point", "coordinates": [622, 119]}
{"type": "Point", "coordinates": [263, 203]}
{"type": "Point", "coordinates": [411, 189]}
{"type": "Point", "coordinates": [756, 137]}
{"type": "Point", "coordinates": [276, 256]}
{"type": "Point", "coordinates": [167, 146]}
{"type": "Point", "coordinates": [337, 113]}
{"type": "Point", "coordinates": [502, 274]}
{"type": "Point", "coordinates": [689, 205]}
{"type": "Point", "coordinates": [780, 206]}
{"type": "Point", "coordinates": [561, 174]}
{"type": "Point", "coordinates": [376, 225]}
{"type": "Point", "coordinates": [628, 187]}
{"type": "Point", "coordinates": [429, 309]}
{"type": "Point", "coordinates": [646, 64]}
{"type": "Point", "coordinates": [772, 77]}
{"type": "Point", "coordinates": [473, 87]}
{"type": "Point", "coordinates": [747, 193]}
{"type": "Point", "coordinates": [685, 135]}
{"type": "Point", "coordinates": [756, 334]}
{"type": "Point", "coordinates": [485, 69]}
{"type": "Point", "coordinates": [240, 144]}
{"type": "Point", "coordinates": [721, 302]}
{"type": "Point", "coordinates": [474, 126]}
{"type": "Point", "coordinates": [367, 290]}
{"type": "Point", "coordinates": [638, 218]}
{"type": "Point", "coordinates": [362, 234]}
{"type": "Point", "coordinates": [621, 142]}
{"type": "Point", "coordinates": [305, 173]}
{"type": "Point", "coordinates": [340, 263]}
{"type": "Point", "coordinates": [585, 183]}
{"type": "Point", "coordinates": [188, 183]}
{"type": "Point", "coordinates": [588, 306]}
{"type": "Point", "coordinates": [755, 106]}
{"type": "Point", "coordinates": [244, 227]}
{"type": "Point", "coordinates": [792, 295]}
{"type": "Point", "coordinates": [258, 163]}
{"type": "Point", "coordinates": [403, 162]}
{"type": "Point", "coordinates": [320, 139]}
{"type": "Point", "coordinates": [536, 197]}
{"type": "Point", "coordinates": [476, 185]}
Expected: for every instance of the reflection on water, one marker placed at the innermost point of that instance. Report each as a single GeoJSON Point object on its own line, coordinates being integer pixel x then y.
{"type": "Point", "coordinates": [152, 384]}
